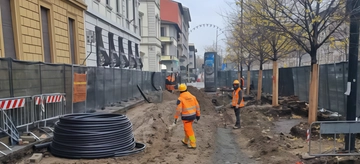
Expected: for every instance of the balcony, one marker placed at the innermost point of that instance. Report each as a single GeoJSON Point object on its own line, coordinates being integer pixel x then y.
{"type": "Point", "coordinates": [169, 58]}
{"type": "Point", "coordinates": [168, 39]}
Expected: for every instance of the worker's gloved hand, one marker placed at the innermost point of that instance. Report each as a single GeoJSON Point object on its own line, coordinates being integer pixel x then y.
{"type": "Point", "coordinates": [197, 118]}
{"type": "Point", "coordinates": [237, 106]}
{"type": "Point", "coordinates": [175, 121]}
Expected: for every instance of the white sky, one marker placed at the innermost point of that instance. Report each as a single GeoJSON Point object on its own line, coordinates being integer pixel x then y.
{"type": "Point", "coordinates": [206, 12]}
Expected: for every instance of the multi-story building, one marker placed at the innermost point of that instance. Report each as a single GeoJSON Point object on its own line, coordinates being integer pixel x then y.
{"type": "Point", "coordinates": [192, 58]}
{"type": "Point", "coordinates": [150, 34]}
{"type": "Point", "coordinates": [174, 34]}
{"type": "Point", "coordinates": [43, 30]}
{"type": "Point", "coordinates": [113, 33]}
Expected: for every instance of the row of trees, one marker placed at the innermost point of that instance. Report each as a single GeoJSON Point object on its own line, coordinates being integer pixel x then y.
{"type": "Point", "coordinates": [268, 30]}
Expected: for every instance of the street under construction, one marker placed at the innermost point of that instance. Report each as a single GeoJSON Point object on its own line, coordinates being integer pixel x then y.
{"type": "Point", "coordinates": [268, 134]}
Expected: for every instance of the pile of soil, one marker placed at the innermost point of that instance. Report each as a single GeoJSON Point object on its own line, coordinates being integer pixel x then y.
{"type": "Point", "coordinates": [167, 96]}
{"type": "Point", "coordinates": [221, 99]}
{"type": "Point", "coordinates": [206, 106]}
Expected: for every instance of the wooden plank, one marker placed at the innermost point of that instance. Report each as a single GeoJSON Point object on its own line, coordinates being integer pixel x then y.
{"type": "Point", "coordinates": [313, 94]}
{"type": "Point", "coordinates": [275, 85]}
{"type": "Point", "coordinates": [258, 97]}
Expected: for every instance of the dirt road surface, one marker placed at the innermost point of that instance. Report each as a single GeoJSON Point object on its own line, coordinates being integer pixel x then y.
{"type": "Point", "coordinates": [150, 126]}
{"type": "Point", "coordinates": [265, 135]}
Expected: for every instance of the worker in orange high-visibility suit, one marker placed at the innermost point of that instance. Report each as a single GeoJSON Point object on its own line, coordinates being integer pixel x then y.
{"type": "Point", "coordinates": [170, 83]}
{"type": "Point", "coordinates": [189, 110]}
{"type": "Point", "coordinates": [237, 102]}
{"type": "Point", "coordinates": [242, 83]}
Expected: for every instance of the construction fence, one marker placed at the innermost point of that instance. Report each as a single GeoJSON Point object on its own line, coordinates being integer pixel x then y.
{"type": "Point", "coordinates": [26, 88]}
{"type": "Point", "coordinates": [296, 81]}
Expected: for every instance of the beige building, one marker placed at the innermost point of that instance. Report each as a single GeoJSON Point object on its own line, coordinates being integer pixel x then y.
{"type": "Point", "coordinates": [49, 31]}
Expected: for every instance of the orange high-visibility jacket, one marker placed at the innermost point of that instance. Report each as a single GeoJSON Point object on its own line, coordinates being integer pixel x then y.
{"type": "Point", "coordinates": [187, 106]}
{"type": "Point", "coordinates": [237, 98]}
{"type": "Point", "coordinates": [169, 84]}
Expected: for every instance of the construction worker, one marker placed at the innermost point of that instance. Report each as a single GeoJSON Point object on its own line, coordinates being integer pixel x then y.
{"type": "Point", "coordinates": [237, 102]}
{"type": "Point", "coordinates": [189, 109]}
{"type": "Point", "coordinates": [242, 83]}
{"type": "Point", "coordinates": [169, 83]}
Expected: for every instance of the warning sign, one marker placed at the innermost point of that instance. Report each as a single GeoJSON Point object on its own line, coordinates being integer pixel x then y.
{"type": "Point", "coordinates": [79, 92]}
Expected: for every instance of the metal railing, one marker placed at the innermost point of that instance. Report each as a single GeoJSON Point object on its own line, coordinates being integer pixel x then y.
{"type": "Point", "coordinates": [48, 107]}
{"type": "Point", "coordinates": [327, 138]}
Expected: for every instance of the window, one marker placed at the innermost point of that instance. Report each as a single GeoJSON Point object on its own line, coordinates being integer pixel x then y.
{"type": "Point", "coordinates": [8, 33]}
{"type": "Point", "coordinates": [45, 24]}
{"type": "Point", "coordinates": [127, 8]}
{"type": "Point", "coordinates": [140, 28]}
{"type": "Point", "coordinates": [162, 31]}
{"type": "Point", "coordinates": [163, 49]}
{"type": "Point", "coordinates": [134, 11]}
{"type": "Point", "coordinates": [72, 41]}
{"type": "Point", "coordinates": [107, 2]}
{"type": "Point", "coordinates": [117, 6]}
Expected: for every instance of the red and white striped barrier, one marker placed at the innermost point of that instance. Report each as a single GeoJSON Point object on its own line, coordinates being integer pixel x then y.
{"type": "Point", "coordinates": [38, 101]}
{"type": "Point", "coordinates": [307, 136]}
{"type": "Point", "coordinates": [12, 104]}
{"type": "Point", "coordinates": [54, 99]}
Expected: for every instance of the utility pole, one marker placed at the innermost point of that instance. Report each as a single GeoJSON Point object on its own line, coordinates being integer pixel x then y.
{"type": "Point", "coordinates": [241, 48]}
{"type": "Point", "coordinates": [216, 41]}
{"type": "Point", "coordinates": [352, 69]}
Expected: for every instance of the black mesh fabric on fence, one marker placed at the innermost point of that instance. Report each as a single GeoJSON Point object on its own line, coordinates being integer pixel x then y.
{"type": "Point", "coordinates": [286, 82]}
{"type": "Point", "coordinates": [105, 86]}
{"type": "Point", "coordinates": [296, 81]}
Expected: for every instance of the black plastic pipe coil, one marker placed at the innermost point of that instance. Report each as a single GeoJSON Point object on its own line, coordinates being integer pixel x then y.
{"type": "Point", "coordinates": [89, 136]}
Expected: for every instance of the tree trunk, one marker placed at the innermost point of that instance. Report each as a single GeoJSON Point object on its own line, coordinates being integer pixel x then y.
{"type": "Point", "coordinates": [258, 97]}
{"type": "Point", "coordinates": [313, 93]}
{"type": "Point", "coordinates": [275, 85]}
{"type": "Point", "coordinates": [248, 82]}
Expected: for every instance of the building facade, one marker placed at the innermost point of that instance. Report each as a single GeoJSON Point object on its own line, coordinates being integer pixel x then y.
{"type": "Point", "coordinates": [113, 33]}
{"type": "Point", "coordinates": [174, 33]}
{"type": "Point", "coordinates": [150, 45]}
{"type": "Point", "coordinates": [192, 57]}
{"type": "Point", "coordinates": [50, 31]}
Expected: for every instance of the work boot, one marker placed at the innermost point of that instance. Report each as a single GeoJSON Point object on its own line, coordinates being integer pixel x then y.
{"type": "Point", "coordinates": [184, 143]}
{"type": "Point", "coordinates": [236, 127]}
{"type": "Point", "coordinates": [191, 147]}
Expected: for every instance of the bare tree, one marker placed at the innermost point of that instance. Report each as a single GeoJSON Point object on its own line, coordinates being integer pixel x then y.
{"type": "Point", "coordinates": [310, 23]}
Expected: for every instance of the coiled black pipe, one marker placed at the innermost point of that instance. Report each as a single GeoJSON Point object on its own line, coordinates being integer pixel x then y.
{"type": "Point", "coordinates": [89, 136]}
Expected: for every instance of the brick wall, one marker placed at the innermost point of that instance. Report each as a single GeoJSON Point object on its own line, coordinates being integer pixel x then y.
{"type": "Point", "coordinates": [60, 11]}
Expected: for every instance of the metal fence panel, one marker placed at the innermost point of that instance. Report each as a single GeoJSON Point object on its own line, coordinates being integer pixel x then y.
{"type": "Point", "coordinates": [91, 92]}
{"type": "Point", "coordinates": [4, 79]}
{"type": "Point", "coordinates": [267, 81]}
{"type": "Point", "coordinates": [126, 84]}
{"type": "Point", "coordinates": [100, 89]}
{"type": "Point", "coordinates": [52, 78]}
{"type": "Point", "coordinates": [117, 85]}
{"type": "Point", "coordinates": [323, 87]}
{"type": "Point", "coordinates": [286, 82]}
{"type": "Point", "coordinates": [254, 78]}
{"type": "Point", "coordinates": [25, 79]}
{"type": "Point", "coordinates": [68, 88]}
{"type": "Point", "coordinates": [109, 86]}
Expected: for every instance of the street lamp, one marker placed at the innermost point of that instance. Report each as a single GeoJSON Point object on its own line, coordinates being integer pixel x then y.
{"type": "Point", "coordinates": [216, 39]}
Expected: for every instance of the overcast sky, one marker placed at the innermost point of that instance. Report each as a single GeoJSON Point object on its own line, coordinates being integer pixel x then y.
{"type": "Point", "coordinates": [206, 12]}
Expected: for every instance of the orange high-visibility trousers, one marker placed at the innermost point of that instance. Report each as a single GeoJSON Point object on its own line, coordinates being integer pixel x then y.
{"type": "Point", "coordinates": [189, 133]}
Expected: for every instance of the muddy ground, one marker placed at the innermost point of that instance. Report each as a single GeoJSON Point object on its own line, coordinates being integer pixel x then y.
{"type": "Point", "coordinates": [268, 135]}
